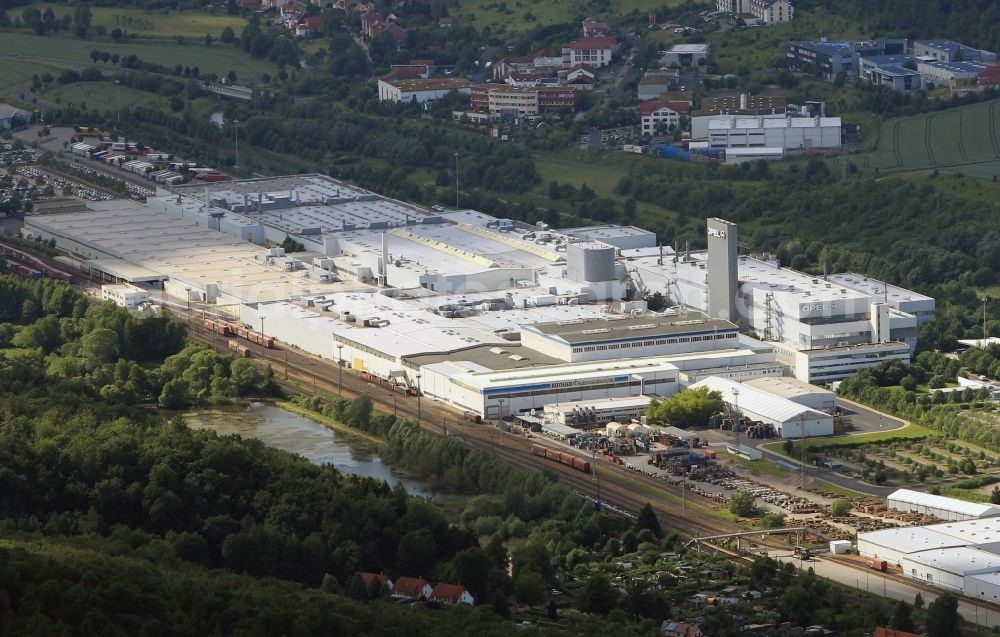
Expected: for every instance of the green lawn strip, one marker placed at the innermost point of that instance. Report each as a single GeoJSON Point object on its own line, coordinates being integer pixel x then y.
{"type": "Point", "coordinates": [97, 95]}
{"type": "Point", "coordinates": [163, 23]}
{"type": "Point", "coordinates": [911, 431]}
{"type": "Point", "coordinates": [53, 49]}
{"type": "Point", "coordinates": [765, 467]}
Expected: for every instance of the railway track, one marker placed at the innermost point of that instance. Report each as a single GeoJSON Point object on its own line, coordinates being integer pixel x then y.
{"type": "Point", "coordinates": [625, 489]}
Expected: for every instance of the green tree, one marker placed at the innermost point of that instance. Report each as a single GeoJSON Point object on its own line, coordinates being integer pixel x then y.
{"type": "Point", "coordinates": [647, 520]}
{"type": "Point", "coordinates": [530, 589]}
{"type": "Point", "coordinates": [918, 601]}
{"type": "Point", "coordinates": [902, 618]}
{"type": "Point", "coordinates": [417, 553]}
{"type": "Point", "coordinates": [100, 346]}
{"type": "Point", "coordinates": [596, 596]}
{"type": "Point", "coordinates": [943, 619]}
{"type": "Point", "coordinates": [840, 508]}
{"type": "Point", "coordinates": [995, 495]}
{"type": "Point", "coordinates": [743, 504]}
{"type": "Point", "coordinates": [359, 413]}
{"type": "Point", "coordinates": [175, 395]}
{"type": "Point", "coordinates": [687, 408]}
{"type": "Point", "coordinates": [788, 447]}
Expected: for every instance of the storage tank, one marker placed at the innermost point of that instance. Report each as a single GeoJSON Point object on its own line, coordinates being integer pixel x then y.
{"type": "Point", "coordinates": [590, 261]}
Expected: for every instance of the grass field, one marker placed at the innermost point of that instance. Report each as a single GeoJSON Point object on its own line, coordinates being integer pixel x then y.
{"type": "Point", "coordinates": [156, 24]}
{"type": "Point", "coordinates": [17, 75]}
{"type": "Point", "coordinates": [515, 16]}
{"type": "Point", "coordinates": [28, 47]}
{"type": "Point", "coordinates": [964, 139]}
{"type": "Point", "coordinates": [97, 95]}
{"type": "Point", "coordinates": [909, 431]}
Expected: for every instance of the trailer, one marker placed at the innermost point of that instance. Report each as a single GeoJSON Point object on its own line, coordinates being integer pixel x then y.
{"type": "Point", "coordinates": [472, 416]}
{"type": "Point", "coordinates": [219, 327]}
{"type": "Point", "coordinates": [255, 337]}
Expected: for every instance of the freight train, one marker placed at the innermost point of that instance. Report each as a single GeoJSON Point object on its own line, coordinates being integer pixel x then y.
{"type": "Point", "coordinates": [219, 327]}
{"type": "Point", "coordinates": [255, 337]}
{"type": "Point", "coordinates": [399, 388]}
{"type": "Point", "coordinates": [33, 265]}
{"type": "Point", "coordinates": [561, 457]}
{"type": "Point", "coordinates": [241, 350]}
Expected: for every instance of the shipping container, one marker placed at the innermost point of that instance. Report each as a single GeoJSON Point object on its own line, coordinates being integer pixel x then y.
{"type": "Point", "coordinates": [878, 565]}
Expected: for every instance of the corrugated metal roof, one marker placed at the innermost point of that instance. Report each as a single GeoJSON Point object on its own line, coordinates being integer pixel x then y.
{"type": "Point", "coordinates": [947, 504]}
{"type": "Point", "coordinates": [757, 401]}
{"type": "Point", "coordinates": [960, 560]}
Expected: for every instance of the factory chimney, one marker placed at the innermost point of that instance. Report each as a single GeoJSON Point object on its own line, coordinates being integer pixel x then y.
{"type": "Point", "coordinates": [722, 269]}
{"type": "Point", "coordinates": [385, 258]}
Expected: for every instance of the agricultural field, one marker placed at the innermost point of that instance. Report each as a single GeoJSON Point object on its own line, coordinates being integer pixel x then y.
{"type": "Point", "coordinates": [961, 140]}
{"type": "Point", "coordinates": [153, 24]}
{"type": "Point", "coordinates": [15, 76]}
{"type": "Point", "coordinates": [70, 51]}
{"type": "Point", "coordinates": [99, 96]}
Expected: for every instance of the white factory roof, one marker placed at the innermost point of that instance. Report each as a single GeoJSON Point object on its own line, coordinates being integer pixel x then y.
{"type": "Point", "coordinates": [153, 241]}
{"type": "Point", "coordinates": [754, 152]}
{"type": "Point", "coordinates": [625, 402]}
{"type": "Point", "coordinates": [962, 507]}
{"type": "Point", "coordinates": [726, 123]}
{"type": "Point", "coordinates": [558, 373]}
{"type": "Point", "coordinates": [957, 560]}
{"type": "Point", "coordinates": [689, 48]}
{"type": "Point", "coordinates": [787, 387]}
{"type": "Point", "coordinates": [979, 342]}
{"type": "Point", "coordinates": [978, 531]}
{"type": "Point", "coordinates": [911, 539]}
{"type": "Point", "coordinates": [757, 401]}
{"type": "Point", "coordinates": [876, 288]}
{"type": "Point", "coordinates": [992, 578]}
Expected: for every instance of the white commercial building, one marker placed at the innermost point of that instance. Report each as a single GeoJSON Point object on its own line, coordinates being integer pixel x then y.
{"type": "Point", "coordinates": [127, 296]}
{"type": "Point", "coordinates": [796, 391]}
{"type": "Point", "coordinates": [940, 506]}
{"type": "Point", "coordinates": [684, 55]}
{"type": "Point", "coordinates": [597, 412]}
{"type": "Point", "coordinates": [420, 90]}
{"type": "Point", "coordinates": [789, 419]}
{"type": "Point", "coordinates": [787, 133]}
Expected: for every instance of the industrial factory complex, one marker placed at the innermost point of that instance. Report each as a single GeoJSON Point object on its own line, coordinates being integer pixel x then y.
{"type": "Point", "coordinates": [494, 316]}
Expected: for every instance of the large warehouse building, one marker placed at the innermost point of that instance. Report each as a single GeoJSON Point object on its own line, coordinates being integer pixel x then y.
{"type": "Point", "coordinates": [486, 314]}
{"type": "Point", "coordinates": [963, 557]}
{"type": "Point", "coordinates": [789, 418]}
{"type": "Point", "coordinates": [939, 506]}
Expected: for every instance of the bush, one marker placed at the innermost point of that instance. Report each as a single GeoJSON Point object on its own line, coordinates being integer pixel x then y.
{"type": "Point", "coordinates": [840, 508]}
{"type": "Point", "coordinates": [743, 504]}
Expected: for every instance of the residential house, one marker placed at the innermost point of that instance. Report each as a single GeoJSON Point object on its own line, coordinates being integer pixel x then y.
{"type": "Point", "coordinates": [654, 83]}
{"type": "Point", "coordinates": [372, 23]}
{"type": "Point", "coordinates": [446, 22]}
{"type": "Point", "coordinates": [671, 628]}
{"type": "Point", "coordinates": [381, 578]}
{"type": "Point", "coordinates": [502, 68]}
{"type": "Point", "coordinates": [990, 77]}
{"type": "Point", "coordinates": [579, 75]}
{"type": "Point", "coordinates": [308, 25]}
{"type": "Point", "coordinates": [412, 588]}
{"type": "Point", "coordinates": [522, 79]}
{"type": "Point", "coordinates": [660, 117]}
{"type": "Point", "coordinates": [451, 594]}
{"type": "Point", "coordinates": [595, 52]}
{"type": "Point", "coordinates": [406, 72]}
{"type": "Point", "coordinates": [595, 28]}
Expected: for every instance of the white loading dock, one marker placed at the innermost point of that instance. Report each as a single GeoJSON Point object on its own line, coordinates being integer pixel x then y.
{"type": "Point", "coordinates": [940, 506]}
{"type": "Point", "coordinates": [948, 568]}
{"type": "Point", "coordinates": [797, 391]}
{"type": "Point", "coordinates": [789, 419]}
{"type": "Point", "coordinates": [893, 545]}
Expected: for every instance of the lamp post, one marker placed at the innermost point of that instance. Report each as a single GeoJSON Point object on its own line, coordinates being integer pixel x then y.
{"type": "Point", "coordinates": [118, 108]}
{"type": "Point", "coordinates": [419, 375]}
{"type": "Point", "coordinates": [500, 422]}
{"type": "Point", "coordinates": [340, 371]}
{"type": "Point", "coordinates": [187, 293]}
{"type": "Point", "coordinates": [736, 413]}
{"type": "Point", "coordinates": [236, 138]}
{"type": "Point", "coordinates": [593, 469]}
{"type": "Point", "coordinates": [985, 301]}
